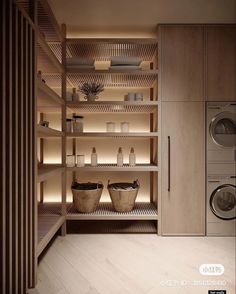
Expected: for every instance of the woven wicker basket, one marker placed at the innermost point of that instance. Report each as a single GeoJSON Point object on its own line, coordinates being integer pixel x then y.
{"type": "Point", "coordinates": [87, 200]}
{"type": "Point", "coordinates": [123, 200]}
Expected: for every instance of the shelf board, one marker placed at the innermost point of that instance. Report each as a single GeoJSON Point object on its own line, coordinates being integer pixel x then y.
{"type": "Point", "coordinates": [103, 49]}
{"type": "Point", "coordinates": [46, 97]}
{"type": "Point", "coordinates": [48, 225]}
{"type": "Point", "coordinates": [43, 132]}
{"type": "Point", "coordinates": [50, 208]}
{"type": "Point", "coordinates": [112, 227]}
{"type": "Point", "coordinates": [46, 171]}
{"type": "Point", "coordinates": [131, 78]}
{"type": "Point", "coordinates": [114, 134]}
{"type": "Point", "coordinates": [114, 167]}
{"type": "Point", "coordinates": [113, 106]}
{"type": "Point", "coordinates": [47, 61]}
{"type": "Point", "coordinates": [105, 211]}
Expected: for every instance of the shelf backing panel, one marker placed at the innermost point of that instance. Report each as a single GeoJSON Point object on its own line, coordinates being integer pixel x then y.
{"type": "Point", "coordinates": [111, 80]}
{"type": "Point", "coordinates": [46, 24]}
{"type": "Point", "coordinates": [103, 50]}
{"type": "Point", "coordinates": [112, 108]}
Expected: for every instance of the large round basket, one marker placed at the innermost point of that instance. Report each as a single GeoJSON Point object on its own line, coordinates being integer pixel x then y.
{"type": "Point", "coordinates": [86, 196]}
{"type": "Point", "coordinates": [123, 195]}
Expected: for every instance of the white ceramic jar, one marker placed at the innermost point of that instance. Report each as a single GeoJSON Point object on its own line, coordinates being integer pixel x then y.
{"type": "Point", "coordinates": [124, 127]}
{"type": "Point", "coordinates": [111, 127]}
{"type": "Point", "coordinates": [80, 160]}
{"type": "Point", "coordinates": [70, 160]}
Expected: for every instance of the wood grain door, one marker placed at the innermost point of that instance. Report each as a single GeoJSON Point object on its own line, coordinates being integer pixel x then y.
{"type": "Point", "coordinates": [182, 62]}
{"type": "Point", "coordinates": [221, 62]}
{"type": "Point", "coordinates": [183, 200]}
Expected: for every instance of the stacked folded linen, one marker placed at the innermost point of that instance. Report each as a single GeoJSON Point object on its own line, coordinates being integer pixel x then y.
{"type": "Point", "coordinates": [122, 63]}
{"type": "Point", "coordinates": [81, 63]}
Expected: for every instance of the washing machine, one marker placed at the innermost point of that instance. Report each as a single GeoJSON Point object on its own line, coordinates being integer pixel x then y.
{"type": "Point", "coordinates": [221, 138]}
{"type": "Point", "coordinates": [221, 206]}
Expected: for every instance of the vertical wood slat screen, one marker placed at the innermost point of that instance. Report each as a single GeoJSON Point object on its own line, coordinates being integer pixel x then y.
{"type": "Point", "coordinates": [17, 147]}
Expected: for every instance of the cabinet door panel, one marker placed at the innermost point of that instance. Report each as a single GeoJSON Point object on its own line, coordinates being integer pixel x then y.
{"type": "Point", "coordinates": [183, 207]}
{"type": "Point", "coordinates": [182, 63]}
{"type": "Point", "coordinates": [221, 63]}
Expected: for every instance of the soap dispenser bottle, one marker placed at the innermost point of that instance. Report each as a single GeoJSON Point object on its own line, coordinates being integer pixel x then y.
{"type": "Point", "coordinates": [94, 157]}
{"type": "Point", "coordinates": [75, 96]}
{"type": "Point", "coordinates": [132, 157]}
{"type": "Point", "coordinates": [120, 159]}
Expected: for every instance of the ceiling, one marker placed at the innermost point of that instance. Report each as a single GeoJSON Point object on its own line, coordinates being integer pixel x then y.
{"type": "Point", "coordinates": [136, 18]}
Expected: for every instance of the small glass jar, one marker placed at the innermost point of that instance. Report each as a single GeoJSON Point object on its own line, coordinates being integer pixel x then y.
{"type": "Point", "coordinates": [80, 160]}
{"type": "Point", "coordinates": [78, 124]}
{"type": "Point", "coordinates": [124, 127]}
{"type": "Point", "coordinates": [68, 125]}
{"type": "Point", "coordinates": [111, 126]}
{"type": "Point", "coordinates": [70, 160]}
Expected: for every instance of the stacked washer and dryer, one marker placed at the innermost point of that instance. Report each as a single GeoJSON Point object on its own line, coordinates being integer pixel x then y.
{"type": "Point", "coordinates": [221, 169]}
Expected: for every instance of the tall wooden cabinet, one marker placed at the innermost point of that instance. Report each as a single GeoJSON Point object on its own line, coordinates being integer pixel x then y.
{"type": "Point", "coordinates": [183, 168]}
{"type": "Point", "coordinates": [182, 63]}
{"type": "Point", "coordinates": [221, 62]}
{"type": "Point", "coordinates": [181, 86]}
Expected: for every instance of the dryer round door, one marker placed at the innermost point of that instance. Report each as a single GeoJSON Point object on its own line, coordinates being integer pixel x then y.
{"type": "Point", "coordinates": [223, 129]}
{"type": "Point", "coordinates": [223, 202]}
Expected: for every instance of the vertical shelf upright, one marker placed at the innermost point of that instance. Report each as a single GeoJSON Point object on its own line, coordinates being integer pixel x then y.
{"type": "Point", "coordinates": [49, 100]}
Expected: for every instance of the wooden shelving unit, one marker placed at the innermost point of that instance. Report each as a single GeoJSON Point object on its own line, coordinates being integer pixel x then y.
{"type": "Point", "coordinates": [45, 132]}
{"type": "Point", "coordinates": [103, 50]}
{"type": "Point", "coordinates": [49, 99]}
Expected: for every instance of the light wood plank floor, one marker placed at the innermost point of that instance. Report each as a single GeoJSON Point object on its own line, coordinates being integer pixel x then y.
{"type": "Point", "coordinates": [134, 264]}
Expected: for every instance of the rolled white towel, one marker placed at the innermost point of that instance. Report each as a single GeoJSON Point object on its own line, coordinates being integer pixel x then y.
{"type": "Point", "coordinates": [121, 60]}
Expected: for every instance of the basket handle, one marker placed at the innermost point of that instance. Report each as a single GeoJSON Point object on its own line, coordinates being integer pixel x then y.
{"type": "Point", "coordinates": [99, 182]}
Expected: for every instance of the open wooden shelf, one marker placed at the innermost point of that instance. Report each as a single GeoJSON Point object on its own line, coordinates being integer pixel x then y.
{"type": "Point", "coordinates": [113, 106]}
{"type": "Point", "coordinates": [46, 171]}
{"type": "Point", "coordinates": [103, 49]}
{"type": "Point", "coordinates": [48, 225]}
{"type": "Point", "coordinates": [113, 135]}
{"type": "Point", "coordinates": [46, 96]}
{"type": "Point", "coordinates": [105, 211]}
{"type": "Point", "coordinates": [47, 61]}
{"type": "Point", "coordinates": [131, 78]}
{"type": "Point", "coordinates": [114, 167]}
{"type": "Point", "coordinates": [43, 132]}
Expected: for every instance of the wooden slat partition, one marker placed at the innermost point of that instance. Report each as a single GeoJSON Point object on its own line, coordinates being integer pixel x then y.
{"type": "Point", "coordinates": [17, 147]}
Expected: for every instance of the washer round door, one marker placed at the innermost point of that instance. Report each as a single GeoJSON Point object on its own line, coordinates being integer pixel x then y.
{"type": "Point", "coordinates": [223, 202]}
{"type": "Point", "coordinates": [223, 129]}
